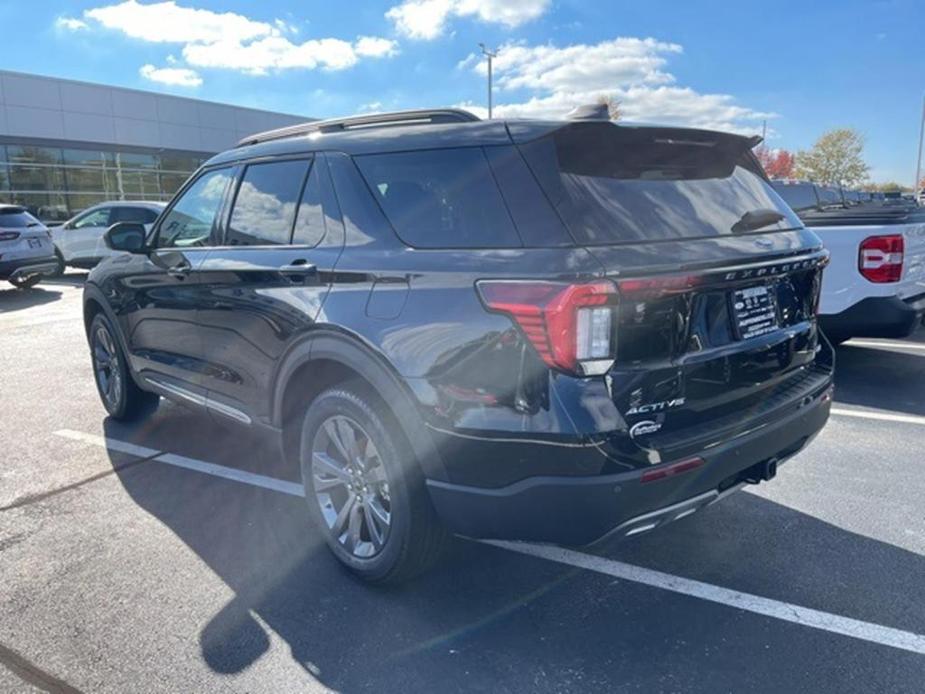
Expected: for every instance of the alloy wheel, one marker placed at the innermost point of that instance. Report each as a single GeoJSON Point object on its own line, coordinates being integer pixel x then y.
{"type": "Point", "coordinates": [106, 367]}
{"type": "Point", "coordinates": [351, 486]}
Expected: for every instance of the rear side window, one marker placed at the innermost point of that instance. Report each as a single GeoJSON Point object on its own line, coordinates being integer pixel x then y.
{"type": "Point", "coordinates": [800, 196]}
{"type": "Point", "coordinates": [16, 218]}
{"type": "Point", "coordinates": [614, 184]}
{"type": "Point", "coordinates": [265, 206]}
{"type": "Point", "coordinates": [442, 198]}
{"type": "Point", "coordinates": [141, 215]}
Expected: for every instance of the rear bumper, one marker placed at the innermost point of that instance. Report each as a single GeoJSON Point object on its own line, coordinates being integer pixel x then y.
{"type": "Point", "coordinates": [887, 316]}
{"type": "Point", "coordinates": [580, 510]}
{"type": "Point", "coordinates": [23, 267]}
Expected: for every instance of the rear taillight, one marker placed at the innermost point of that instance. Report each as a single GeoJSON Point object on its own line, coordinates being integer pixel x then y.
{"type": "Point", "coordinates": [881, 258]}
{"type": "Point", "coordinates": [570, 325]}
{"type": "Point", "coordinates": [9, 235]}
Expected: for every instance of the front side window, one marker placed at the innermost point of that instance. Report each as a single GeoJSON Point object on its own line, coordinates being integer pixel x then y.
{"type": "Point", "coordinates": [142, 215]}
{"type": "Point", "coordinates": [442, 198]}
{"type": "Point", "coordinates": [96, 218]}
{"type": "Point", "coordinates": [189, 222]}
{"type": "Point", "coordinates": [265, 206]}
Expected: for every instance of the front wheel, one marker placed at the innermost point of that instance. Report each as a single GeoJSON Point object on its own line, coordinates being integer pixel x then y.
{"type": "Point", "coordinates": [25, 282]}
{"type": "Point", "coordinates": [365, 489]}
{"type": "Point", "coordinates": [122, 399]}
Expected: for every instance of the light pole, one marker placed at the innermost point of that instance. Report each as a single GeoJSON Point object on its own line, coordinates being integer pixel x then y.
{"type": "Point", "coordinates": [918, 162]}
{"type": "Point", "coordinates": [490, 55]}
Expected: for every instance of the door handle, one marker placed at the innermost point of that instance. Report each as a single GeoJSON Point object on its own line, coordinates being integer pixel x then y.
{"type": "Point", "coordinates": [180, 270]}
{"type": "Point", "coordinates": [298, 269]}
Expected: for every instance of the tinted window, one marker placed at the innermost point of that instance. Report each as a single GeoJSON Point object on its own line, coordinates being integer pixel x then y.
{"type": "Point", "coordinates": [444, 198]}
{"type": "Point", "coordinates": [800, 196]}
{"type": "Point", "coordinates": [16, 218]}
{"type": "Point", "coordinates": [190, 220]}
{"type": "Point", "coordinates": [141, 215]}
{"type": "Point", "coordinates": [264, 207]}
{"type": "Point", "coordinates": [613, 184]}
{"type": "Point", "coordinates": [829, 196]}
{"type": "Point", "coordinates": [309, 222]}
{"type": "Point", "coordinates": [95, 218]}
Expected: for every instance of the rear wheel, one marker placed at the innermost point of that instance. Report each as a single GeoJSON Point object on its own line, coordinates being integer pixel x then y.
{"type": "Point", "coordinates": [25, 282]}
{"type": "Point", "coordinates": [365, 489]}
{"type": "Point", "coordinates": [122, 399]}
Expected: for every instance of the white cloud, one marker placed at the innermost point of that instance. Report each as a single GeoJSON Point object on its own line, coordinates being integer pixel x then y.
{"type": "Point", "coordinates": [371, 107]}
{"type": "Point", "coordinates": [228, 40]}
{"type": "Point", "coordinates": [427, 19]}
{"type": "Point", "coordinates": [168, 22]}
{"type": "Point", "coordinates": [176, 76]}
{"type": "Point", "coordinates": [554, 80]}
{"type": "Point", "coordinates": [375, 47]}
{"type": "Point", "coordinates": [70, 23]}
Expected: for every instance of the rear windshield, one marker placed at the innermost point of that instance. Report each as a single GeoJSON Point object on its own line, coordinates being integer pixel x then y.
{"type": "Point", "coordinates": [17, 218]}
{"type": "Point", "coordinates": [800, 196]}
{"type": "Point", "coordinates": [829, 196]}
{"type": "Point", "coordinates": [614, 185]}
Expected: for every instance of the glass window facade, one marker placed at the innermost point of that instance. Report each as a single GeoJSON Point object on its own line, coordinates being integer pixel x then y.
{"type": "Point", "coordinates": [55, 183]}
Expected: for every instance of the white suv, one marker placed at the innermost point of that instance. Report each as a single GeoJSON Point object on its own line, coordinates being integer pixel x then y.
{"type": "Point", "coordinates": [79, 241]}
{"type": "Point", "coordinates": [26, 251]}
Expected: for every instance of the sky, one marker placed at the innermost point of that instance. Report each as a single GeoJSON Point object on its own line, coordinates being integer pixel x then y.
{"type": "Point", "coordinates": [800, 67]}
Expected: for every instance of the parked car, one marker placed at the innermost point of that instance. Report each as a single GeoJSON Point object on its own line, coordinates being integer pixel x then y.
{"type": "Point", "coordinates": [79, 241]}
{"type": "Point", "coordinates": [26, 251]}
{"type": "Point", "coordinates": [532, 330]}
{"type": "Point", "coordinates": [875, 283]}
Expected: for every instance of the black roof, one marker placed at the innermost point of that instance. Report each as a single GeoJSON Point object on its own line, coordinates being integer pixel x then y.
{"type": "Point", "coordinates": [435, 135]}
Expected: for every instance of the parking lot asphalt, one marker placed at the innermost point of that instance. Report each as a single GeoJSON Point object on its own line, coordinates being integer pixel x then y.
{"type": "Point", "coordinates": [173, 556]}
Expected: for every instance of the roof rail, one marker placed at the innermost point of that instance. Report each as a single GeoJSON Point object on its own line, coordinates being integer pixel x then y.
{"type": "Point", "coordinates": [415, 117]}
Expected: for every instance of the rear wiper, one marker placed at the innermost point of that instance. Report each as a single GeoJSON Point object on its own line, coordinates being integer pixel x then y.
{"type": "Point", "coordinates": [755, 219]}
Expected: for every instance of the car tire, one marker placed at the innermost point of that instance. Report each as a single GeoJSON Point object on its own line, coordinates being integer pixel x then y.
{"type": "Point", "coordinates": [365, 489]}
{"type": "Point", "coordinates": [59, 270]}
{"type": "Point", "coordinates": [120, 395]}
{"type": "Point", "coordinates": [26, 282]}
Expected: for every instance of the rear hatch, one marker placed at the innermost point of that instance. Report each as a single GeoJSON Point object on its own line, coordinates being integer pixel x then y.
{"type": "Point", "coordinates": [718, 280]}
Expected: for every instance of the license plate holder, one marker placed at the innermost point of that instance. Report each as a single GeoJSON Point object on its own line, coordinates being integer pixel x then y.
{"type": "Point", "coordinates": [754, 311]}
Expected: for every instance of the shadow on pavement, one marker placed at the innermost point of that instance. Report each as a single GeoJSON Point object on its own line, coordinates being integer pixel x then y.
{"type": "Point", "coordinates": [490, 620]}
{"type": "Point", "coordinates": [885, 379]}
{"type": "Point", "coordinates": [72, 279]}
{"type": "Point", "coordinates": [13, 299]}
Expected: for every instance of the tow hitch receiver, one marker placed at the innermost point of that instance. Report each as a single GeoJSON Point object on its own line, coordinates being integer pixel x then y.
{"type": "Point", "coordinates": [762, 472]}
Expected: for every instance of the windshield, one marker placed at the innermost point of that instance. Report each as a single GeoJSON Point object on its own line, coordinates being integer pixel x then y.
{"type": "Point", "coordinates": [618, 185]}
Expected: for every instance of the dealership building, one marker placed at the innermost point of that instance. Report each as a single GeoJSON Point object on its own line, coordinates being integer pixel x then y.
{"type": "Point", "coordinates": [66, 145]}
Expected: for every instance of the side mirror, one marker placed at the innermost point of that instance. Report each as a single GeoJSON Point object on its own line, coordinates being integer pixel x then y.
{"type": "Point", "coordinates": [126, 236]}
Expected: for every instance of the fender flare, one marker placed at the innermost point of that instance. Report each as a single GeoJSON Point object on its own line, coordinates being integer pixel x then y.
{"type": "Point", "coordinates": [375, 370]}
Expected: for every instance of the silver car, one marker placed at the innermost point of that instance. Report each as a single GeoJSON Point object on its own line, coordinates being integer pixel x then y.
{"type": "Point", "coordinates": [79, 241]}
{"type": "Point", "coordinates": [26, 250]}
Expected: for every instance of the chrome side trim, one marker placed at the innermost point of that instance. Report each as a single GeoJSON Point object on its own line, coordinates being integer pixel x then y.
{"type": "Point", "coordinates": [200, 400]}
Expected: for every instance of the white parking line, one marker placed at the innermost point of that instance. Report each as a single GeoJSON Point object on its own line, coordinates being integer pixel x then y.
{"type": "Point", "coordinates": [885, 345]}
{"type": "Point", "coordinates": [228, 473]}
{"type": "Point", "coordinates": [881, 416]}
{"type": "Point", "coordinates": [788, 612]}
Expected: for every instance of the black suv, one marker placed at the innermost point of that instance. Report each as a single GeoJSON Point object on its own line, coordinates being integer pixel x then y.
{"type": "Point", "coordinates": [535, 330]}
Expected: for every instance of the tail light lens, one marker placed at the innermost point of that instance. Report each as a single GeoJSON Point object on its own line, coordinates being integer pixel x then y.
{"type": "Point", "coordinates": [881, 258]}
{"type": "Point", "coordinates": [570, 325]}
{"type": "Point", "coordinates": [9, 235]}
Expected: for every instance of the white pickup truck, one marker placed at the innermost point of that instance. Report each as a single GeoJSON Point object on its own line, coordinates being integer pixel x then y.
{"type": "Point", "coordinates": [874, 285]}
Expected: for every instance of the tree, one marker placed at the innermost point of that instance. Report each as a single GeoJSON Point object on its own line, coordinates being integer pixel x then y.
{"type": "Point", "coordinates": [778, 163]}
{"type": "Point", "coordinates": [614, 108]}
{"type": "Point", "coordinates": [835, 159]}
